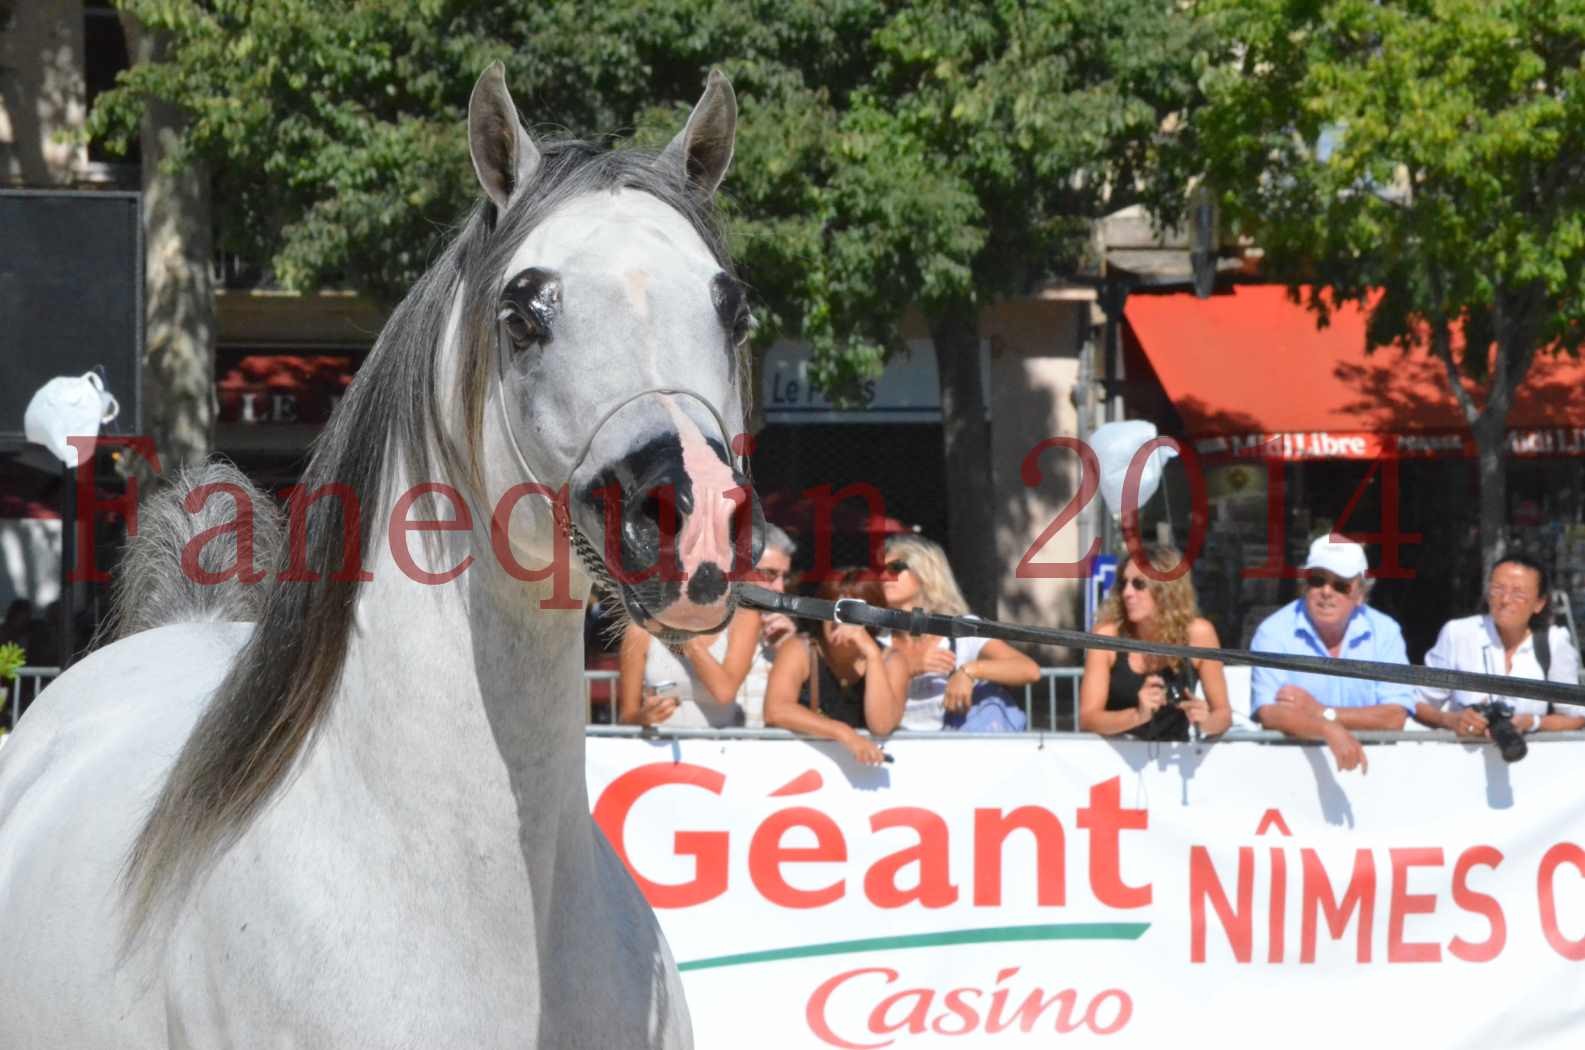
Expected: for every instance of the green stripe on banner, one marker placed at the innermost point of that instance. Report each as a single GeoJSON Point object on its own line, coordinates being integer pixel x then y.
{"type": "Point", "coordinates": [1072, 931]}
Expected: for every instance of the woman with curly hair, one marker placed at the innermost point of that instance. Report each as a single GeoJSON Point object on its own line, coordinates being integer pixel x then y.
{"type": "Point", "coordinates": [942, 672]}
{"type": "Point", "coordinates": [1129, 692]}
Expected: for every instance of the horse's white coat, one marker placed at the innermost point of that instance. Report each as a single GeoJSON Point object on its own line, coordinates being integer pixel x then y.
{"type": "Point", "coordinates": [429, 876]}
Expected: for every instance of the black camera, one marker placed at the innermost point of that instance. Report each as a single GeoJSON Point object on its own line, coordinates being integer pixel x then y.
{"type": "Point", "coordinates": [1169, 722]}
{"type": "Point", "coordinates": [1172, 683]}
{"type": "Point", "coordinates": [1499, 719]}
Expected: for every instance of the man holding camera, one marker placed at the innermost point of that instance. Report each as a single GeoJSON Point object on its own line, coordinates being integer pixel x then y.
{"type": "Point", "coordinates": [1330, 619]}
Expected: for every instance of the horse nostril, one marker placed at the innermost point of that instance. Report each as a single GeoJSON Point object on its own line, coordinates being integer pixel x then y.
{"type": "Point", "coordinates": [657, 508]}
{"type": "Point", "coordinates": [707, 585]}
{"type": "Point", "coordinates": [659, 514]}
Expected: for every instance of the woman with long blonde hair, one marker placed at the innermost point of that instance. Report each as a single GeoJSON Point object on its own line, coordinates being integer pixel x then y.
{"type": "Point", "coordinates": [942, 672]}
{"type": "Point", "coordinates": [1151, 697]}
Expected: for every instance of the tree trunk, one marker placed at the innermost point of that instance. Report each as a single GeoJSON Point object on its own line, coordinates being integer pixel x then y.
{"type": "Point", "coordinates": [179, 348]}
{"type": "Point", "coordinates": [1514, 313]}
{"type": "Point", "coordinates": [971, 516]}
{"type": "Point", "coordinates": [1491, 432]}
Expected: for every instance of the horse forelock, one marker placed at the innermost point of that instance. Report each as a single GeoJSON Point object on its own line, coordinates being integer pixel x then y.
{"type": "Point", "coordinates": [281, 688]}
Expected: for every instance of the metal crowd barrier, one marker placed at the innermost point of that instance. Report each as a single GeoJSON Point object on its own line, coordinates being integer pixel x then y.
{"type": "Point", "coordinates": [1235, 735]}
{"type": "Point", "coordinates": [1056, 694]}
{"type": "Point", "coordinates": [1058, 688]}
{"type": "Point", "coordinates": [29, 682]}
{"type": "Point", "coordinates": [1061, 708]}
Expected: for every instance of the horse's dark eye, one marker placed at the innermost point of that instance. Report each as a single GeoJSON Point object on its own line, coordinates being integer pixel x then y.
{"type": "Point", "coordinates": [731, 307]}
{"type": "Point", "coordinates": [522, 330]}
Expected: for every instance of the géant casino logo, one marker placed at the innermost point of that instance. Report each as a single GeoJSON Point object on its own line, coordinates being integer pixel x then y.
{"type": "Point", "coordinates": [869, 1006]}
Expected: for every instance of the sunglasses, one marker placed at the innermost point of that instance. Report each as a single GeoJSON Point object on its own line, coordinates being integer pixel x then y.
{"type": "Point", "coordinates": [895, 567]}
{"type": "Point", "coordinates": [1138, 583]}
{"type": "Point", "coordinates": [1317, 580]}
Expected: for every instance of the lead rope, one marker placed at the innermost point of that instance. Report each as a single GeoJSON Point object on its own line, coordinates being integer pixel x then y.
{"type": "Point", "coordinates": [919, 621]}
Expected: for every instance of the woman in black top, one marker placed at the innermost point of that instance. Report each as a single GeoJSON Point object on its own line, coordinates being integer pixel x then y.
{"type": "Point", "coordinates": [841, 681]}
{"type": "Point", "coordinates": [1129, 692]}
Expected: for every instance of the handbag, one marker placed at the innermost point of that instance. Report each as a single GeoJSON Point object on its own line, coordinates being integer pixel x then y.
{"type": "Point", "coordinates": [993, 710]}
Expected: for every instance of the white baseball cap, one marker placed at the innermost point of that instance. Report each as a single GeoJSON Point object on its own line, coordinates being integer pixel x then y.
{"type": "Point", "coordinates": [1342, 558]}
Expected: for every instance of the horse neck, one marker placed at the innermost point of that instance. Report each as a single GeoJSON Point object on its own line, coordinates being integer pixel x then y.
{"type": "Point", "coordinates": [462, 703]}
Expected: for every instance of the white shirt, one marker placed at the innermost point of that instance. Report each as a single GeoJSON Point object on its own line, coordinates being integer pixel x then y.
{"type": "Point", "coordinates": [1472, 644]}
{"type": "Point", "coordinates": [926, 707]}
{"type": "Point", "coordinates": [751, 698]}
{"type": "Point", "coordinates": [696, 708]}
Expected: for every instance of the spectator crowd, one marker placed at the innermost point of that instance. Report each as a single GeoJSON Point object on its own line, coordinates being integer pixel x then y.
{"type": "Point", "coordinates": [855, 686]}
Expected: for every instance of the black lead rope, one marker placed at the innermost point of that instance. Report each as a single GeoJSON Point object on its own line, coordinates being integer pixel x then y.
{"type": "Point", "coordinates": [918, 621]}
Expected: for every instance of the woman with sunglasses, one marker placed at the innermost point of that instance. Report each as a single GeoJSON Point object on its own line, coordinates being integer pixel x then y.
{"type": "Point", "coordinates": [942, 672]}
{"type": "Point", "coordinates": [842, 681]}
{"type": "Point", "coordinates": [1152, 697]}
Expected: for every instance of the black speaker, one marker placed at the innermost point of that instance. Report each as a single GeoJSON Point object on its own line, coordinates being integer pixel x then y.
{"type": "Point", "coordinates": [71, 299]}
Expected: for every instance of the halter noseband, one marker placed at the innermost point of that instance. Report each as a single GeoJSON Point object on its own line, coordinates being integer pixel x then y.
{"type": "Point", "coordinates": [740, 464]}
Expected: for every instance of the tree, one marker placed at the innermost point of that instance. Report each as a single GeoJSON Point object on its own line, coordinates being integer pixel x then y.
{"type": "Point", "coordinates": [180, 326]}
{"type": "Point", "coordinates": [1424, 160]}
{"type": "Point", "coordinates": [934, 153]}
{"type": "Point", "coordinates": [965, 165]}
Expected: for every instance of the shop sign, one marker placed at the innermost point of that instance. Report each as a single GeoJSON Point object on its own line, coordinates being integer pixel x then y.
{"type": "Point", "coordinates": [1322, 444]}
{"type": "Point", "coordinates": [908, 391]}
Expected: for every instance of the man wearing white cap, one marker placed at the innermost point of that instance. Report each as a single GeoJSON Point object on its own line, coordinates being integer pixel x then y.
{"type": "Point", "coordinates": [1330, 618]}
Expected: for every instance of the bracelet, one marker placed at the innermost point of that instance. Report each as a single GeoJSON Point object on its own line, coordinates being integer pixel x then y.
{"type": "Point", "coordinates": [965, 669]}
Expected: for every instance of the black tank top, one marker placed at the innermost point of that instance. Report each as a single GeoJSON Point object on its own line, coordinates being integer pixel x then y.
{"type": "Point", "coordinates": [845, 703]}
{"type": "Point", "coordinates": [1169, 723]}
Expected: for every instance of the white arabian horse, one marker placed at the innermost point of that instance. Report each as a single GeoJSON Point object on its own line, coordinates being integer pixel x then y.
{"type": "Point", "coordinates": [363, 822]}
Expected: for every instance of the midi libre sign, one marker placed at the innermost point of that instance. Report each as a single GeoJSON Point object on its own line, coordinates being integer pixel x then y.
{"type": "Point", "coordinates": [1022, 892]}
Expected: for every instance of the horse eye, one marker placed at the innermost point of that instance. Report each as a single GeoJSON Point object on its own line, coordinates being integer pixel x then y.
{"type": "Point", "coordinates": [522, 330]}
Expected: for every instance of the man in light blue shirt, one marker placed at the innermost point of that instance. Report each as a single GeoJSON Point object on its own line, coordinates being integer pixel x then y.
{"type": "Point", "coordinates": [1330, 619]}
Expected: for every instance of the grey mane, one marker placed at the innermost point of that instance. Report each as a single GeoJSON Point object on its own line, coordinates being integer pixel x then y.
{"type": "Point", "coordinates": [264, 714]}
{"type": "Point", "coordinates": [146, 593]}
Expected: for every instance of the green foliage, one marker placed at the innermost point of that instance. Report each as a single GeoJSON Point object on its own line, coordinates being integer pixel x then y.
{"type": "Point", "coordinates": [1434, 150]}
{"type": "Point", "coordinates": [12, 659]}
{"type": "Point", "coordinates": [890, 153]}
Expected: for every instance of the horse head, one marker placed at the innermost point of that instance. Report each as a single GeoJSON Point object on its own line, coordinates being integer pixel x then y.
{"type": "Point", "coordinates": [618, 375]}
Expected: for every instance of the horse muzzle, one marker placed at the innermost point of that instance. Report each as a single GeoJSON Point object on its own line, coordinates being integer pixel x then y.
{"type": "Point", "coordinates": [679, 527]}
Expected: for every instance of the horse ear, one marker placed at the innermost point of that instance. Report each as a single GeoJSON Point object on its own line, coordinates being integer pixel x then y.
{"type": "Point", "coordinates": [504, 157]}
{"type": "Point", "coordinates": [702, 150]}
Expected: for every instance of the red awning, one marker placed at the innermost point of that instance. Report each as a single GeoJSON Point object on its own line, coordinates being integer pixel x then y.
{"type": "Point", "coordinates": [260, 387]}
{"type": "Point", "coordinates": [1250, 373]}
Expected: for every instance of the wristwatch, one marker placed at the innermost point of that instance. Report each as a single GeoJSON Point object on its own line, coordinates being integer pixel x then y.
{"type": "Point", "coordinates": [1329, 713]}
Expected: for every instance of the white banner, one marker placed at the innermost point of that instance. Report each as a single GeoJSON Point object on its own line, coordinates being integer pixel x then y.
{"type": "Point", "coordinates": [984, 892]}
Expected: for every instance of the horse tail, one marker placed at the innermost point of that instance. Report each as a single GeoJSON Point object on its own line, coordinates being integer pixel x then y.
{"type": "Point", "coordinates": [207, 541]}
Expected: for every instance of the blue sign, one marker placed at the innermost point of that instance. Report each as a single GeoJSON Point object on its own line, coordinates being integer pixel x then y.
{"type": "Point", "coordinates": [1103, 573]}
